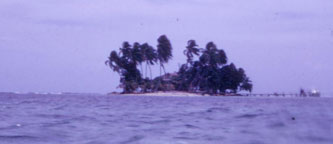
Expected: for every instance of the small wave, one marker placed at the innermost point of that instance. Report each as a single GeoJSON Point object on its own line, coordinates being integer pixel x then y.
{"type": "Point", "coordinates": [315, 139]}
{"type": "Point", "coordinates": [16, 137]}
{"type": "Point", "coordinates": [248, 116]}
{"type": "Point", "coordinates": [52, 116]}
{"type": "Point", "coordinates": [190, 126]}
{"type": "Point", "coordinates": [277, 125]}
{"type": "Point", "coordinates": [9, 127]}
{"type": "Point", "coordinates": [184, 138]}
{"type": "Point", "coordinates": [133, 139]}
{"type": "Point", "coordinates": [54, 124]}
{"type": "Point", "coordinates": [217, 109]}
{"type": "Point", "coordinates": [160, 121]}
{"type": "Point", "coordinates": [213, 138]}
{"type": "Point", "coordinates": [256, 142]}
{"type": "Point", "coordinates": [60, 107]}
{"type": "Point", "coordinates": [249, 132]}
{"type": "Point", "coordinates": [133, 125]}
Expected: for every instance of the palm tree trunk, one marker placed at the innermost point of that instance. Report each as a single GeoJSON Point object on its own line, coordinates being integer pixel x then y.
{"type": "Point", "coordinates": [151, 76]}
{"type": "Point", "coordinates": [146, 70]}
{"type": "Point", "coordinates": [160, 69]}
{"type": "Point", "coordinates": [163, 69]}
{"type": "Point", "coordinates": [141, 69]}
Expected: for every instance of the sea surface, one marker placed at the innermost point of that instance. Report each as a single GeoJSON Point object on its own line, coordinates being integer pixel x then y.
{"type": "Point", "coordinates": [98, 119]}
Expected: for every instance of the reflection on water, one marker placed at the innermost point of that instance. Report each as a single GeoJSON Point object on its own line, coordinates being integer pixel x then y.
{"type": "Point", "coordinates": [54, 119]}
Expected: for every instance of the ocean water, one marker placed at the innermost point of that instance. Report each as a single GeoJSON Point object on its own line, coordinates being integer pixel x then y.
{"type": "Point", "coordinates": [89, 119]}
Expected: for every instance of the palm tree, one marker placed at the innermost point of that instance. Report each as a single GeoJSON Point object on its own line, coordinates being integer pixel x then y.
{"type": "Point", "coordinates": [125, 63]}
{"type": "Point", "coordinates": [126, 51]}
{"type": "Point", "coordinates": [191, 50]}
{"type": "Point", "coordinates": [137, 54]}
{"type": "Point", "coordinates": [164, 51]}
{"type": "Point", "coordinates": [204, 75]}
{"type": "Point", "coordinates": [231, 77]}
{"type": "Point", "coordinates": [150, 56]}
{"type": "Point", "coordinates": [143, 51]}
{"type": "Point", "coordinates": [213, 56]}
{"type": "Point", "coordinates": [114, 61]}
{"type": "Point", "coordinates": [246, 85]}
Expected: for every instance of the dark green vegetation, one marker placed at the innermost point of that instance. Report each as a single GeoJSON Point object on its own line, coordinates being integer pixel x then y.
{"type": "Point", "coordinates": [206, 69]}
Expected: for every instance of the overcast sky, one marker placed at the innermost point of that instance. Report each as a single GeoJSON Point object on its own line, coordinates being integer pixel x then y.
{"type": "Point", "coordinates": [61, 45]}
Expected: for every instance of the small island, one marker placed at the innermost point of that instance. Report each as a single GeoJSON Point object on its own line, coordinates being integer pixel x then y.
{"type": "Point", "coordinates": [206, 71]}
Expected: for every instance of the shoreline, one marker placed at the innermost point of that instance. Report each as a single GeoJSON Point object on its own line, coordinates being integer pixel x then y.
{"type": "Point", "coordinates": [193, 94]}
{"type": "Point", "coordinates": [170, 93]}
{"type": "Point", "coordinates": [167, 93]}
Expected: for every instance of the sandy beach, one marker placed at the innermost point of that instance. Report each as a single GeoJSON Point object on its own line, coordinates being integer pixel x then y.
{"type": "Point", "coordinates": [168, 93]}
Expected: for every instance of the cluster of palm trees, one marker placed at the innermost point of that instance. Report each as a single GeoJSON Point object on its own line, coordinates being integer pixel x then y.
{"type": "Point", "coordinates": [206, 70]}
{"type": "Point", "coordinates": [210, 73]}
{"type": "Point", "coordinates": [129, 57]}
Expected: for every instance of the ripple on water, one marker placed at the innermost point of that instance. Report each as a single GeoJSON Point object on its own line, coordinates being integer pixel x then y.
{"type": "Point", "coordinates": [184, 138]}
{"type": "Point", "coordinates": [187, 135]}
{"type": "Point", "coordinates": [17, 138]}
{"type": "Point", "coordinates": [277, 125]}
{"type": "Point", "coordinates": [213, 138]}
{"type": "Point", "coordinates": [191, 126]}
{"type": "Point", "coordinates": [256, 142]}
{"type": "Point", "coordinates": [248, 116]}
{"type": "Point", "coordinates": [60, 107]}
{"type": "Point", "coordinates": [133, 125]}
{"type": "Point", "coordinates": [11, 127]}
{"type": "Point", "coordinates": [51, 116]}
{"type": "Point", "coordinates": [96, 142]}
{"type": "Point", "coordinates": [133, 139]}
{"type": "Point", "coordinates": [165, 121]}
{"type": "Point", "coordinates": [217, 109]}
{"type": "Point", "coordinates": [247, 131]}
{"type": "Point", "coordinates": [55, 123]}
{"type": "Point", "coordinates": [315, 139]}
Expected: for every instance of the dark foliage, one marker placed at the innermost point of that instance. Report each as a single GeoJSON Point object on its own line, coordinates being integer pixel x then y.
{"type": "Point", "coordinates": [164, 51]}
{"type": "Point", "coordinates": [211, 74]}
{"type": "Point", "coordinates": [206, 70]}
{"type": "Point", "coordinates": [191, 50]}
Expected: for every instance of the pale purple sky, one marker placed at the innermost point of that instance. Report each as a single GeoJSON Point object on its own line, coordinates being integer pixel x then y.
{"type": "Point", "coordinates": [61, 45]}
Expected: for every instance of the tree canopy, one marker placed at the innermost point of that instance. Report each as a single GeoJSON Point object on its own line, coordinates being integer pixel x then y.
{"type": "Point", "coordinates": [205, 71]}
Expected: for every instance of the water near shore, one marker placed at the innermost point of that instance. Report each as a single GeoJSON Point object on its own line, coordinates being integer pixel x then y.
{"type": "Point", "coordinates": [88, 119]}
